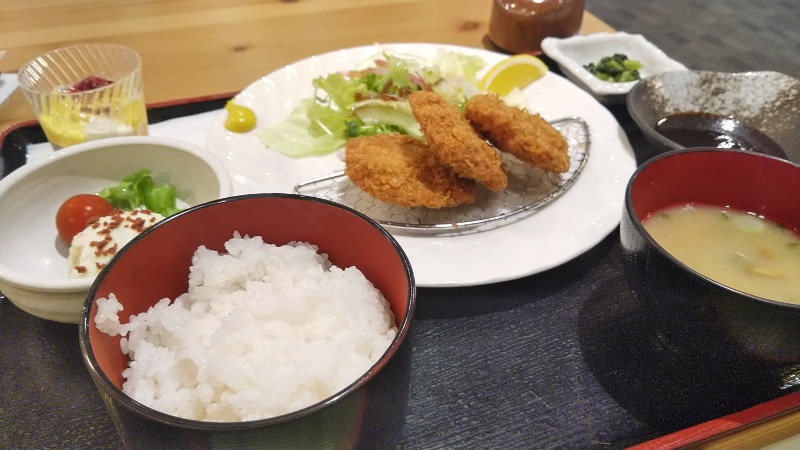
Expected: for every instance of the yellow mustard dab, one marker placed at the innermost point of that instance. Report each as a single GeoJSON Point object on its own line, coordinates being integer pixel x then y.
{"type": "Point", "coordinates": [240, 119]}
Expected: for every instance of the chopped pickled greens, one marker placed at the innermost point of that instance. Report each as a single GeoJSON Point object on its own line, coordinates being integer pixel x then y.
{"type": "Point", "coordinates": [370, 100]}
{"type": "Point", "coordinates": [617, 68]}
{"type": "Point", "coordinates": [138, 190]}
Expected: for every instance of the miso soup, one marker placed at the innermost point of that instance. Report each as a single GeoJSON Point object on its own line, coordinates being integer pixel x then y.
{"type": "Point", "coordinates": [739, 250]}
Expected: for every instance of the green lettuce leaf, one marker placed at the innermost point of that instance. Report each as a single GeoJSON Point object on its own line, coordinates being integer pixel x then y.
{"type": "Point", "coordinates": [387, 116]}
{"type": "Point", "coordinates": [138, 190]}
{"type": "Point", "coordinates": [293, 137]}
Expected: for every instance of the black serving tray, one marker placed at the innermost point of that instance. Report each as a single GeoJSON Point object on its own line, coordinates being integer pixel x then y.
{"type": "Point", "coordinates": [561, 359]}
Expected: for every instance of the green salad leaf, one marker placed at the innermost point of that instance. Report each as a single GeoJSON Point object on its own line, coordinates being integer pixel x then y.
{"type": "Point", "coordinates": [138, 190]}
{"type": "Point", "coordinates": [379, 116]}
{"type": "Point", "coordinates": [304, 133]}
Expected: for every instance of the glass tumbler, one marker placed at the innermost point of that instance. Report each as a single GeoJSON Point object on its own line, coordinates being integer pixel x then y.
{"type": "Point", "coordinates": [86, 92]}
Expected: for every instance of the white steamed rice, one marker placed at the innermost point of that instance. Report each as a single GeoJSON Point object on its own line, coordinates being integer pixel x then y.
{"type": "Point", "coordinates": [264, 330]}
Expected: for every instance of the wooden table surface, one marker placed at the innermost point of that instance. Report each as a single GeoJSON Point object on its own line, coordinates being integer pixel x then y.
{"type": "Point", "coordinates": [197, 48]}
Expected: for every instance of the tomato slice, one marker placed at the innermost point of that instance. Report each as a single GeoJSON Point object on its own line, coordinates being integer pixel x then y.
{"type": "Point", "coordinates": [75, 214]}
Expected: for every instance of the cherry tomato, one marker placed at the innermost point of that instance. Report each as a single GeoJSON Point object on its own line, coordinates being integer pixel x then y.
{"type": "Point", "coordinates": [75, 214]}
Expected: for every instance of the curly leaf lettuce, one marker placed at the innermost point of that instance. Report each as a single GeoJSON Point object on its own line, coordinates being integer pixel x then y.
{"type": "Point", "coordinates": [300, 135]}
{"type": "Point", "coordinates": [138, 190]}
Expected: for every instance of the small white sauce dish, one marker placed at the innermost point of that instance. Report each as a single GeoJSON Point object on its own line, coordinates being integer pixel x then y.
{"type": "Point", "coordinates": [572, 53]}
{"type": "Point", "coordinates": [34, 268]}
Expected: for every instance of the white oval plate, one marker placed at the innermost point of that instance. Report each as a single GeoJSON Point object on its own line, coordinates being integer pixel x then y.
{"type": "Point", "coordinates": [564, 229]}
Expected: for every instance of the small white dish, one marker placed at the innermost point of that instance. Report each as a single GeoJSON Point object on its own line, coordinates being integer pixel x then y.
{"type": "Point", "coordinates": [572, 53]}
{"type": "Point", "coordinates": [33, 261]}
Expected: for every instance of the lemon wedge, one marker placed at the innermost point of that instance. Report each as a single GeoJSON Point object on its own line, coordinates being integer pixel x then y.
{"type": "Point", "coordinates": [517, 71]}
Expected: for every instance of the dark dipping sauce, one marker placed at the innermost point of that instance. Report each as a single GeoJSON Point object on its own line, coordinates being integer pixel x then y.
{"type": "Point", "coordinates": [710, 130]}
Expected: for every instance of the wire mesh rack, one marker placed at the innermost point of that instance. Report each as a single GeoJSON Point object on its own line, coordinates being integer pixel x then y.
{"type": "Point", "coordinates": [529, 189]}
